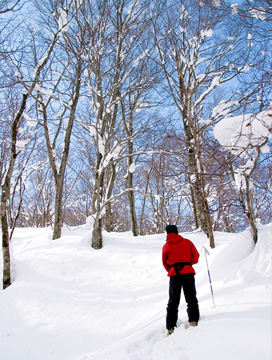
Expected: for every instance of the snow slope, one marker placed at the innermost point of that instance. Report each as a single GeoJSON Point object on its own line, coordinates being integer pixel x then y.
{"type": "Point", "coordinates": [70, 302]}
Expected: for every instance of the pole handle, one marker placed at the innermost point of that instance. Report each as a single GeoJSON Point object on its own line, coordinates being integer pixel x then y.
{"type": "Point", "coordinates": [206, 252]}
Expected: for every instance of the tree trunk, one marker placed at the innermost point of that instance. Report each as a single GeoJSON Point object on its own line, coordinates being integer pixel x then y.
{"type": "Point", "coordinates": [96, 211]}
{"type": "Point", "coordinates": [97, 241]}
{"type": "Point", "coordinates": [194, 208]}
{"type": "Point", "coordinates": [108, 220]}
{"type": "Point", "coordinates": [209, 222]}
{"type": "Point", "coordinates": [129, 180]}
{"type": "Point", "coordinates": [58, 218]}
{"type": "Point", "coordinates": [191, 144]}
{"type": "Point", "coordinates": [13, 154]}
{"type": "Point", "coordinates": [60, 174]}
{"type": "Point", "coordinates": [247, 204]}
{"type": "Point", "coordinates": [132, 211]}
{"type": "Point", "coordinates": [131, 200]}
{"type": "Point", "coordinates": [196, 189]}
{"type": "Point", "coordinates": [5, 196]}
{"type": "Point", "coordinates": [250, 211]}
{"type": "Point", "coordinates": [5, 242]}
{"type": "Point", "coordinates": [110, 175]}
{"type": "Point", "coordinates": [205, 201]}
{"type": "Point", "coordinates": [144, 201]}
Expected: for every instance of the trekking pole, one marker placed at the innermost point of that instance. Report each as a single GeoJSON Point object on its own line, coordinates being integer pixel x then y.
{"type": "Point", "coordinates": [206, 252]}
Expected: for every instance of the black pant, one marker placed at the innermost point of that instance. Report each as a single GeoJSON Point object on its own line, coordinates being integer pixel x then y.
{"type": "Point", "coordinates": [176, 283]}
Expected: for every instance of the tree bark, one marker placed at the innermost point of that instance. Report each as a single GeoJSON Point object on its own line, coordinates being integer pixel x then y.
{"type": "Point", "coordinates": [58, 218]}
{"type": "Point", "coordinates": [205, 201]}
{"type": "Point", "coordinates": [247, 204]}
{"type": "Point", "coordinates": [131, 200]}
{"type": "Point", "coordinates": [13, 154]}
{"type": "Point", "coordinates": [193, 153]}
{"type": "Point", "coordinates": [5, 241]}
{"type": "Point", "coordinates": [144, 200]}
{"type": "Point", "coordinates": [5, 196]}
{"type": "Point", "coordinates": [110, 179]}
{"type": "Point", "coordinates": [129, 181]}
{"type": "Point", "coordinates": [195, 183]}
{"type": "Point", "coordinates": [97, 241]}
{"type": "Point", "coordinates": [194, 208]}
{"type": "Point", "coordinates": [250, 211]}
{"type": "Point", "coordinates": [60, 174]}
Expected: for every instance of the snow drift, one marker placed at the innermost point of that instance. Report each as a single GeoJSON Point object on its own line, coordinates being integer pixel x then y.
{"type": "Point", "coordinates": [70, 302]}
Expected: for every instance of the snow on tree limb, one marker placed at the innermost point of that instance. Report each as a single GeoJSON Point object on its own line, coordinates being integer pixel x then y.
{"type": "Point", "coordinates": [245, 136]}
{"type": "Point", "coordinates": [240, 132]}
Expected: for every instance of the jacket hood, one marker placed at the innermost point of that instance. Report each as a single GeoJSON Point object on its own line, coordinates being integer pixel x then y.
{"type": "Point", "coordinates": [173, 238]}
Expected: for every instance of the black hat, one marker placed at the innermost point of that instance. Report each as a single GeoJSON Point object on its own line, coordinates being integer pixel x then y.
{"type": "Point", "coordinates": [171, 229]}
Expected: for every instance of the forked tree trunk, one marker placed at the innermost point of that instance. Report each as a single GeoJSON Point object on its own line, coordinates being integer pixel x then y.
{"type": "Point", "coordinates": [60, 174]}
{"type": "Point", "coordinates": [200, 207]}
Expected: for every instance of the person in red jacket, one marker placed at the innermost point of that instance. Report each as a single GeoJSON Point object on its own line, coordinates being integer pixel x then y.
{"type": "Point", "coordinates": [178, 256]}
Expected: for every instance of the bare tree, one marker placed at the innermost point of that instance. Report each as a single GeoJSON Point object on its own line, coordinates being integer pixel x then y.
{"type": "Point", "coordinates": [57, 99]}
{"type": "Point", "coordinates": [114, 56]}
{"type": "Point", "coordinates": [195, 62]}
{"type": "Point", "coordinates": [250, 135]}
{"type": "Point", "coordinates": [37, 205]}
{"type": "Point", "coordinates": [15, 150]}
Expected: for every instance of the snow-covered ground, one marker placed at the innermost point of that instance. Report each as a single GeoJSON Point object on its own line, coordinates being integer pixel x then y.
{"type": "Point", "coordinates": [69, 301]}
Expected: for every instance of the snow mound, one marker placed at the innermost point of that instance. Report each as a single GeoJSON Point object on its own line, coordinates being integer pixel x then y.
{"type": "Point", "coordinates": [71, 302]}
{"type": "Point", "coordinates": [257, 265]}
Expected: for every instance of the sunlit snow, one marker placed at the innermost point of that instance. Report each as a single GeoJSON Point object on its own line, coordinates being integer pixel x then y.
{"type": "Point", "coordinates": [70, 302]}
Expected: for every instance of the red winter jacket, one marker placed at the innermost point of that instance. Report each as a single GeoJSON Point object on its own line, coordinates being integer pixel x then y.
{"type": "Point", "coordinates": [178, 249]}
